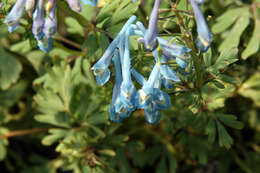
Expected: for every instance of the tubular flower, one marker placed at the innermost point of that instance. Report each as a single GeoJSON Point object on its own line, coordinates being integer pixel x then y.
{"type": "Point", "coordinates": [100, 69]}
{"type": "Point", "coordinates": [13, 18]}
{"type": "Point", "coordinates": [50, 24]}
{"type": "Point", "coordinates": [128, 91]}
{"type": "Point", "coordinates": [205, 36]}
{"type": "Point", "coordinates": [150, 37]}
{"type": "Point", "coordinates": [152, 99]}
{"type": "Point", "coordinates": [38, 21]}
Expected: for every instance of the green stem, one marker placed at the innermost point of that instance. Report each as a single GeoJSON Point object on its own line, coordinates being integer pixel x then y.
{"type": "Point", "coordinates": [188, 41]}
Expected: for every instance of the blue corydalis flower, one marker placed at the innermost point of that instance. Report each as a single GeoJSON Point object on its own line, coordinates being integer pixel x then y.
{"type": "Point", "coordinates": [127, 88]}
{"type": "Point", "coordinates": [150, 36]}
{"type": "Point", "coordinates": [74, 5]}
{"type": "Point", "coordinates": [90, 2]}
{"type": "Point", "coordinates": [100, 69]}
{"type": "Point", "coordinates": [152, 99]}
{"type": "Point", "coordinates": [13, 18]}
{"type": "Point", "coordinates": [50, 24]}
{"type": "Point", "coordinates": [114, 116]}
{"type": "Point", "coordinates": [205, 36]}
{"type": "Point", "coordinates": [118, 110]}
{"type": "Point", "coordinates": [38, 21]}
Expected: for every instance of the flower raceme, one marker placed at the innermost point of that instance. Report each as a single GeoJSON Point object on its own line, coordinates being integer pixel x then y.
{"type": "Point", "coordinates": [151, 98]}
{"type": "Point", "coordinates": [43, 28]}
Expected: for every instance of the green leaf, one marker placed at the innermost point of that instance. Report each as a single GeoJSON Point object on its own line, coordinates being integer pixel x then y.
{"type": "Point", "coordinates": [162, 167]}
{"type": "Point", "coordinates": [227, 57]}
{"type": "Point", "coordinates": [233, 37]}
{"type": "Point", "coordinates": [208, 58]}
{"type": "Point", "coordinates": [211, 130]}
{"type": "Point", "coordinates": [227, 79]}
{"type": "Point", "coordinates": [73, 26]}
{"type": "Point", "coordinates": [251, 88]}
{"type": "Point", "coordinates": [10, 69]}
{"type": "Point", "coordinates": [230, 120]}
{"type": "Point", "coordinates": [254, 43]}
{"type": "Point", "coordinates": [227, 19]}
{"type": "Point", "coordinates": [55, 135]}
{"type": "Point", "coordinates": [218, 84]}
{"type": "Point", "coordinates": [172, 162]}
{"type": "Point", "coordinates": [223, 137]}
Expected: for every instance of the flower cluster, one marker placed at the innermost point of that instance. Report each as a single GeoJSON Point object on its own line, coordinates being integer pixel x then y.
{"type": "Point", "coordinates": [44, 21]}
{"type": "Point", "coordinates": [150, 97]}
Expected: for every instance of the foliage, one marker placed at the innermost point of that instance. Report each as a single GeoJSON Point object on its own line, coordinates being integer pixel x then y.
{"type": "Point", "coordinates": [54, 117]}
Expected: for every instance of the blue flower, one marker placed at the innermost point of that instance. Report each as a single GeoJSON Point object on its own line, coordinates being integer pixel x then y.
{"type": "Point", "coordinates": [150, 37]}
{"type": "Point", "coordinates": [13, 18]}
{"type": "Point", "coordinates": [152, 99]}
{"type": "Point", "coordinates": [128, 91]}
{"type": "Point", "coordinates": [38, 21]}
{"type": "Point", "coordinates": [205, 36]}
{"type": "Point", "coordinates": [74, 5]}
{"type": "Point", "coordinates": [100, 69]}
{"type": "Point", "coordinates": [50, 24]}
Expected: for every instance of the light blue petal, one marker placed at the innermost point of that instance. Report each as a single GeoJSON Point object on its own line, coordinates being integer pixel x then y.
{"type": "Point", "coordinates": [38, 21]}
{"type": "Point", "coordinates": [167, 72]}
{"type": "Point", "coordinates": [181, 63]}
{"type": "Point", "coordinates": [45, 44]}
{"type": "Point", "coordinates": [90, 2]}
{"type": "Point", "coordinates": [152, 115]}
{"type": "Point", "coordinates": [13, 18]}
{"type": "Point", "coordinates": [150, 40]}
{"type": "Point", "coordinates": [138, 77]}
{"type": "Point", "coordinates": [205, 36]}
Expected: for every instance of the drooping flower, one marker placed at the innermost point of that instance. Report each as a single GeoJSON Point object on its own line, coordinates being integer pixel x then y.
{"type": "Point", "coordinates": [128, 90]}
{"type": "Point", "coordinates": [50, 24]}
{"type": "Point", "coordinates": [150, 35]}
{"type": "Point", "coordinates": [13, 18]}
{"type": "Point", "coordinates": [204, 34]}
{"type": "Point", "coordinates": [151, 98]}
{"type": "Point", "coordinates": [100, 69]}
{"type": "Point", "coordinates": [38, 21]}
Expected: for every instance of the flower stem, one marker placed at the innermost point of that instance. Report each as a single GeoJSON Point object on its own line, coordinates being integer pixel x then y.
{"type": "Point", "coordinates": [188, 41]}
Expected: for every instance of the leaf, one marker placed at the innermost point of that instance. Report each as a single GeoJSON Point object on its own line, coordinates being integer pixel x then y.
{"type": "Point", "coordinates": [230, 120]}
{"type": "Point", "coordinates": [55, 135]}
{"type": "Point", "coordinates": [254, 43]}
{"type": "Point", "coordinates": [223, 137]}
{"type": "Point", "coordinates": [3, 143]}
{"type": "Point", "coordinates": [233, 37]}
{"type": "Point", "coordinates": [172, 162]}
{"type": "Point", "coordinates": [251, 88]}
{"type": "Point", "coordinates": [162, 168]}
{"type": "Point", "coordinates": [73, 26]}
{"type": "Point", "coordinates": [227, 19]}
{"type": "Point", "coordinates": [211, 130]}
{"type": "Point", "coordinates": [218, 84]}
{"type": "Point", "coordinates": [227, 79]}
{"type": "Point", "coordinates": [10, 69]}
{"type": "Point", "coordinates": [227, 57]}
{"type": "Point", "coordinates": [208, 58]}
